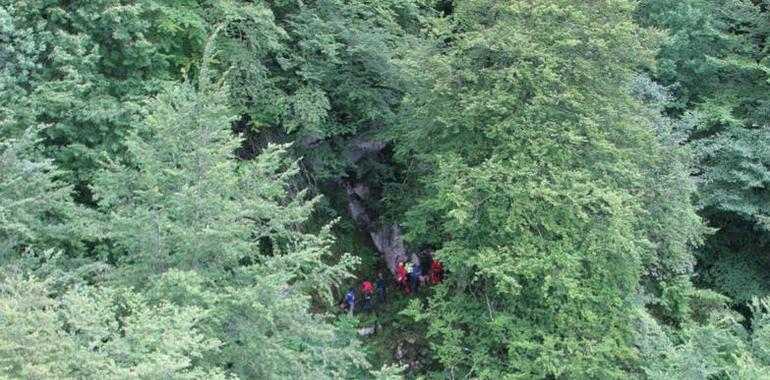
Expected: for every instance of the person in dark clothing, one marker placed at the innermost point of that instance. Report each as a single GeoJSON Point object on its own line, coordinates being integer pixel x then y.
{"type": "Point", "coordinates": [414, 279]}
{"type": "Point", "coordinates": [426, 260]}
{"type": "Point", "coordinates": [367, 305]}
{"type": "Point", "coordinates": [382, 288]}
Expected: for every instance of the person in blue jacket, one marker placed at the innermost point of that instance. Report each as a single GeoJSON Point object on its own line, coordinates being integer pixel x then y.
{"type": "Point", "coordinates": [350, 299]}
{"type": "Point", "coordinates": [414, 279]}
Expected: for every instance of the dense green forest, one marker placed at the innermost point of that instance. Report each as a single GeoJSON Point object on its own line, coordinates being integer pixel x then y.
{"type": "Point", "coordinates": [199, 189]}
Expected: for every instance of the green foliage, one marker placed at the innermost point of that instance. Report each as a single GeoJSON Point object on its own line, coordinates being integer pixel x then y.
{"type": "Point", "coordinates": [716, 59]}
{"type": "Point", "coordinates": [522, 130]}
{"type": "Point", "coordinates": [36, 209]}
{"type": "Point", "coordinates": [88, 332]}
{"type": "Point", "coordinates": [697, 41]}
{"type": "Point", "coordinates": [388, 373]}
{"type": "Point", "coordinates": [740, 275]}
{"type": "Point", "coordinates": [194, 226]}
{"type": "Point", "coordinates": [331, 76]}
{"type": "Point", "coordinates": [86, 64]}
{"type": "Point", "coordinates": [535, 157]}
{"type": "Point", "coordinates": [720, 348]}
{"type": "Point", "coordinates": [18, 59]}
{"type": "Point", "coordinates": [85, 67]}
{"type": "Point", "coordinates": [671, 225]}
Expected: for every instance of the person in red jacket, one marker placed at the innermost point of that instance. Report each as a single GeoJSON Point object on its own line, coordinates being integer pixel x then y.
{"type": "Point", "coordinates": [436, 272]}
{"type": "Point", "coordinates": [401, 277]}
{"type": "Point", "coordinates": [367, 290]}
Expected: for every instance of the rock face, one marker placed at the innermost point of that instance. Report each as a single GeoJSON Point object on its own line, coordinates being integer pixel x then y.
{"type": "Point", "coordinates": [359, 147]}
{"type": "Point", "coordinates": [411, 354]}
{"type": "Point", "coordinates": [389, 241]}
{"type": "Point", "coordinates": [365, 331]}
{"type": "Point", "coordinates": [387, 238]}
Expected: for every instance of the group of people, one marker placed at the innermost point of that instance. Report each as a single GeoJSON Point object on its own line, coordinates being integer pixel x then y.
{"type": "Point", "coordinates": [418, 272]}
{"type": "Point", "coordinates": [367, 290]}
{"type": "Point", "coordinates": [410, 277]}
